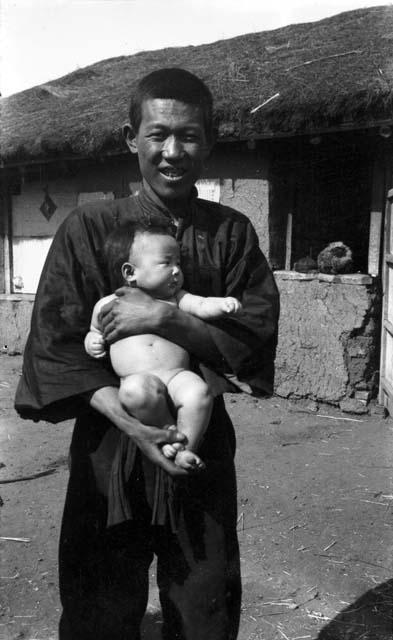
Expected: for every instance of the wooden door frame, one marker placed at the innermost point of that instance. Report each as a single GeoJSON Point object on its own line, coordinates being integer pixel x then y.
{"type": "Point", "coordinates": [385, 384]}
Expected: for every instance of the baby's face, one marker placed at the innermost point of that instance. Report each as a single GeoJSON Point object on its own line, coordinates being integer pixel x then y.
{"type": "Point", "coordinates": [156, 262]}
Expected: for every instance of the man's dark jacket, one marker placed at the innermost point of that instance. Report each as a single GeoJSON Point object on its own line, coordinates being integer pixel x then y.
{"type": "Point", "coordinates": [220, 257]}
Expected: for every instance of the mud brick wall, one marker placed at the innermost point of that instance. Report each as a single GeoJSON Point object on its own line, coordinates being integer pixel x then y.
{"type": "Point", "coordinates": [251, 197]}
{"type": "Point", "coordinates": [15, 314]}
{"type": "Point", "coordinates": [328, 345]}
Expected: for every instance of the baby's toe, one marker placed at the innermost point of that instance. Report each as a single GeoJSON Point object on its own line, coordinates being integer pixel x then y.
{"type": "Point", "coordinates": [169, 451]}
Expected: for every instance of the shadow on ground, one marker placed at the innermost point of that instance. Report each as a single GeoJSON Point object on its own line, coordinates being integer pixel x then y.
{"type": "Point", "coordinates": [368, 618]}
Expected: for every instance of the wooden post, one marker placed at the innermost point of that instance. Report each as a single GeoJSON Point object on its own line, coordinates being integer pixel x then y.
{"type": "Point", "coordinates": [288, 242]}
{"type": "Point", "coordinates": [374, 243]}
{"type": "Point", "coordinates": [7, 244]}
{"type": "Point", "coordinates": [5, 252]}
{"type": "Point", "coordinates": [386, 361]}
{"type": "Point", "coordinates": [376, 217]}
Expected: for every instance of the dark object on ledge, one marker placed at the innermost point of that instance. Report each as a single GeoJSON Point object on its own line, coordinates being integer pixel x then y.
{"type": "Point", "coordinates": [305, 265]}
{"type": "Point", "coordinates": [335, 258]}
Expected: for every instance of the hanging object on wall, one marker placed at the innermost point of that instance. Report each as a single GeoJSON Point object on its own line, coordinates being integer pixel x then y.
{"type": "Point", "coordinates": [48, 207]}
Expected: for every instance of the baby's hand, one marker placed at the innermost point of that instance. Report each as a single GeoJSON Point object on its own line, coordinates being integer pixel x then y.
{"type": "Point", "coordinates": [95, 345]}
{"type": "Point", "coordinates": [231, 305]}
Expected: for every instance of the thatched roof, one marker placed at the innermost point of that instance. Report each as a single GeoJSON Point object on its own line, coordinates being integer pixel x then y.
{"type": "Point", "coordinates": [331, 73]}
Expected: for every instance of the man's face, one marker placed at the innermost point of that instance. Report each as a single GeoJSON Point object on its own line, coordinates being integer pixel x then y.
{"type": "Point", "coordinates": [172, 145]}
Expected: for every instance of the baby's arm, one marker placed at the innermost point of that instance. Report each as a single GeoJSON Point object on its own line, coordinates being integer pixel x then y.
{"type": "Point", "coordinates": [94, 340]}
{"type": "Point", "coordinates": [206, 308]}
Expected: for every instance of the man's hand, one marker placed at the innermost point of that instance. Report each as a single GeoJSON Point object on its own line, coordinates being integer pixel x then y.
{"type": "Point", "coordinates": [132, 312]}
{"type": "Point", "coordinates": [149, 440]}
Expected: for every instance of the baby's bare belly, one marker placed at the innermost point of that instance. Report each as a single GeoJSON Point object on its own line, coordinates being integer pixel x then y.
{"type": "Point", "coordinates": [138, 354]}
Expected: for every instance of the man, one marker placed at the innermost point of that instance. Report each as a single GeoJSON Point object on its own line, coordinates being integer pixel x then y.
{"type": "Point", "coordinates": [104, 569]}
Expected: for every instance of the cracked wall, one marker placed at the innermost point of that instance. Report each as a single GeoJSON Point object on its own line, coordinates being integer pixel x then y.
{"type": "Point", "coordinates": [328, 337]}
{"type": "Point", "coordinates": [244, 186]}
{"type": "Point", "coordinates": [15, 314]}
{"type": "Point", "coordinates": [251, 197]}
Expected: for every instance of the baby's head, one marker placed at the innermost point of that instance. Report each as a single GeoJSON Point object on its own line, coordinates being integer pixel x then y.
{"type": "Point", "coordinates": [147, 257]}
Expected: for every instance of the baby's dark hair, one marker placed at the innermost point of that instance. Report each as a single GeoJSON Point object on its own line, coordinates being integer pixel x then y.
{"type": "Point", "coordinates": [173, 84]}
{"type": "Point", "coordinates": [118, 245]}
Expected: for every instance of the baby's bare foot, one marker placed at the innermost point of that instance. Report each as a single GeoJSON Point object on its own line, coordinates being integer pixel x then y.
{"type": "Point", "coordinates": [170, 450]}
{"type": "Point", "coordinates": [189, 460]}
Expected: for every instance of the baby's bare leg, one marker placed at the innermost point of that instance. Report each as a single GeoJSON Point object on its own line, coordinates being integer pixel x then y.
{"type": "Point", "coordinates": [144, 396]}
{"type": "Point", "coordinates": [194, 402]}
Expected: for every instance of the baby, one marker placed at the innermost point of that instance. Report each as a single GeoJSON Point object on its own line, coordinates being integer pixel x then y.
{"type": "Point", "coordinates": [151, 367]}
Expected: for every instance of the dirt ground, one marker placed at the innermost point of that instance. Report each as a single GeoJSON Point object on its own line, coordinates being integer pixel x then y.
{"type": "Point", "coordinates": [315, 521]}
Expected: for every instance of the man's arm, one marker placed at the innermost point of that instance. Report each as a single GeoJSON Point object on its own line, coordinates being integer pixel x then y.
{"type": "Point", "coordinates": [134, 312]}
{"type": "Point", "coordinates": [242, 344]}
{"type": "Point", "coordinates": [148, 439]}
{"type": "Point", "coordinates": [58, 376]}
{"type": "Point", "coordinates": [106, 401]}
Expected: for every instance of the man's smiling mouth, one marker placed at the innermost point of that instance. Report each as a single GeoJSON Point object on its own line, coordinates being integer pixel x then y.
{"type": "Point", "coordinates": [172, 173]}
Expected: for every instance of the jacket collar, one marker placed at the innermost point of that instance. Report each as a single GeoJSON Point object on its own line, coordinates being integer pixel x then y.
{"type": "Point", "coordinates": [156, 212]}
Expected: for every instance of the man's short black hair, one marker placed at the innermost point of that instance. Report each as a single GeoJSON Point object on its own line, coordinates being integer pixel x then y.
{"type": "Point", "coordinates": [172, 84]}
{"type": "Point", "coordinates": [118, 245]}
